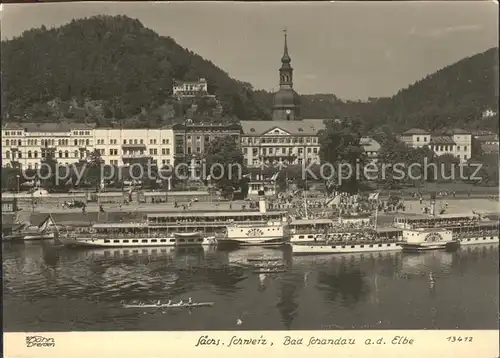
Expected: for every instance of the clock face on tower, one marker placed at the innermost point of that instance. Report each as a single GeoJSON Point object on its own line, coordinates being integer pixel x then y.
{"type": "Point", "coordinates": [288, 111]}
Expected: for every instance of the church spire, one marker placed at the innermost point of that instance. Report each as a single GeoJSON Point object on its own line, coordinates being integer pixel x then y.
{"type": "Point", "coordinates": [286, 57]}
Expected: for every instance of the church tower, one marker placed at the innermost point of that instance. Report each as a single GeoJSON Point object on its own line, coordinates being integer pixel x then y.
{"type": "Point", "coordinates": [286, 104]}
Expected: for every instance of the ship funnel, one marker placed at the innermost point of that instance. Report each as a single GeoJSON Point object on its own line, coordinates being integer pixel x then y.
{"type": "Point", "coordinates": [262, 205]}
{"type": "Point", "coordinates": [433, 208]}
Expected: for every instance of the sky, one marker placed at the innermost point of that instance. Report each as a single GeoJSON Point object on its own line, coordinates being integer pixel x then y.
{"type": "Point", "coordinates": [354, 50]}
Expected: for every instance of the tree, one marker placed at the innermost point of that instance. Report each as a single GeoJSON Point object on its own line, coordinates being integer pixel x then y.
{"type": "Point", "coordinates": [11, 178]}
{"type": "Point", "coordinates": [49, 170]}
{"type": "Point", "coordinates": [93, 169]}
{"type": "Point", "coordinates": [341, 155]}
{"type": "Point", "coordinates": [224, 163]}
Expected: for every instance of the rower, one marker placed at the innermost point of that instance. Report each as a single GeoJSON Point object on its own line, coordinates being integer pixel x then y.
{"type": "Point", "coordinates": [190, 301]}
{"type": "Point", "coordinates": [158, 303]}
{"type": "Point", "coordinates": [181, 302]}
{"type": "Point", "coordinates": [169, 303]}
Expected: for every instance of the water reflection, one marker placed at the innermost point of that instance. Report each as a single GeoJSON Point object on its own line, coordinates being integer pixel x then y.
{"type": "Point", "coordinates": [58, 288]}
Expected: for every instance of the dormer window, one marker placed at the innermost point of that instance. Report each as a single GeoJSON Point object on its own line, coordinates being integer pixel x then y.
{"type": "Point", "coordinates": [301, 130]}
{"type": "Point", "coordinates": [276, 131]}
{"type": "Point", "coordinates": [252, 129]}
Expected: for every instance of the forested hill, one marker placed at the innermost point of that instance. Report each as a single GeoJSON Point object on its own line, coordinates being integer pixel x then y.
{"type": "Point", "coordinates": [113, 67]}
{"type": "Point", "coordinates": [113, 59]}
{"type": "Point", "coordinates": [454, 96]}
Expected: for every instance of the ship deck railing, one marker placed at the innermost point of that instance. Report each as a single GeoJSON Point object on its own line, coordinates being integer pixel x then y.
{"type": "Point", "coordinates": [349, 242]}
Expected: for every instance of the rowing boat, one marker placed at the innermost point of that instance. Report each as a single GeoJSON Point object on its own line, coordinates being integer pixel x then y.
{"type": "Point", "coordinates": [268, 265]}
{"type": "Point", "coordinates": [269, 271]}
{"type": "Point", "coordinates": [270, 259]}
{"type": "Point", "coordinates": [173, 305]}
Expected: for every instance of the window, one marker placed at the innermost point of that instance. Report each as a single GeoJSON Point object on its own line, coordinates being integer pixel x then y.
{"type": "Point", "coordinates": [29, 153]}
{"type": "Point", "coordinates": [7, 142]}
{"type": "Point", "coordinates": [124, 141]}
{"type": "Point", "coordinates": [66, 154]}
{"type": "Point", "coordinates": [465, 148]}
{"type": "Point", "coordinates": [87, 142]}
{"type": "Point", "coordinates": [19, 142]}
{"type": "Point", "coordinates": [135, 240]}
{"type": "Point", "coordinates": [19, 154]}
{"type": "Point", "coordinates": [7, 155]}
{"type": "Point", "coordinates": [418, 139]}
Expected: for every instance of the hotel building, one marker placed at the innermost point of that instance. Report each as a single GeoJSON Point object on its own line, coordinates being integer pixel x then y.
{"type": "Point", "coordinates": [123, 147]}
{"type": "Point", "coordinates": [287, 142]}
{"type": "Point", "coordinates": [457, 142]}
{"type": "Point", "coordinates": [191, 140]}
{"type": "Point", "coordinates": [191, 89]}
{"type": "Point", "coordinates": [26, 144]}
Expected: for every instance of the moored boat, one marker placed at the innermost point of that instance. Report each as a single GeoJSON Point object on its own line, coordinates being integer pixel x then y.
{"type": "Point", "coordinates": [349, 241]}
{"type": "Point", "coordinates": [38, 236]}
{"type": "Point", "coordinates": [466, 229]}
{"type": "Point", "coordinates": [428, 239]}
{"type": "Point", "coordinates": [272, 234]}
{"type": "Point", "coordinates": [130, 235]}
{"type": "Point", "coordinates": [335, 247]}
{"type": "Point", "coordinates": [169, 304]}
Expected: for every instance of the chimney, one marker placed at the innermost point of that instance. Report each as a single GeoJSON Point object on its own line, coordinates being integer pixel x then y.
{"type": "Point", "coordinates": [262, 204]}
{"type": "Point", "coordinates": [433, 207]}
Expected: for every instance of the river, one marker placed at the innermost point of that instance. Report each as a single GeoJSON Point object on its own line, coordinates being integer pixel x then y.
{"type": "Point", "coordinates": [59, 289]}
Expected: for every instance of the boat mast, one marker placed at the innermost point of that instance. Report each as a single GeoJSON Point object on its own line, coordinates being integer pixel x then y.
{"type": "Point", "coordinates": [305, 203]}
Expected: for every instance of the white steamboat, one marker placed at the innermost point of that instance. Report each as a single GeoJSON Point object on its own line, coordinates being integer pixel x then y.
{"type": "Point", "coordinates": [129, 235]}
{"type": "Point", "coordinates": [428, 239]}
{"type": "Point", "coordinates": [273, 232]}
{"type": "Point", "coordinates": [467, 229]}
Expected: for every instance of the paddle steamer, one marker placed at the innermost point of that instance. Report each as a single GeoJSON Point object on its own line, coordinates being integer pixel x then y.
{"type": "Point", "coordinates": [128, 235]}
{"type": "Point", "coordinates": [467, 229]}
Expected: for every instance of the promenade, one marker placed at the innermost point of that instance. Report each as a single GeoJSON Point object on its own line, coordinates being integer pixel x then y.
{"type": "Point", "coordinates": [455, 206]}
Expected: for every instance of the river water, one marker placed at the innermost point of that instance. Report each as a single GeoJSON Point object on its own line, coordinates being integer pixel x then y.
{"type": "Point", "coordinates": [60, 289]}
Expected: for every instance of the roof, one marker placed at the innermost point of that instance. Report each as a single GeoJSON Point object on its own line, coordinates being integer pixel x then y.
{"type": "Point", "coordinates": [286, 97]}
{"type": "Point", "coordinates": [47, 127]}
{"type": "Point", "coordinates": [414, 131]}
{"type": "Point", "coordinates": [457, 131]}
{"type": "Point", "coordinates": [311, 222]}
{"type": "Point", "coordinates": [441, 140]}
{"type": "Point", "coordinates": [490, 148]}
{"type": "Point", "coordinates": [214, 213]}
{"type": "Point", "coordinates": [303, 127]}
{"type": "Point", "coordinates": [8, 220]}
{"type": "Point", "coordinates": [370, 144]}
{"type": "Point", "coordinates": [487, 137]}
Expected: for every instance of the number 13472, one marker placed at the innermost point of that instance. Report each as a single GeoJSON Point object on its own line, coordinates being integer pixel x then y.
{"type": "Point", "coordinates": [454, 339]}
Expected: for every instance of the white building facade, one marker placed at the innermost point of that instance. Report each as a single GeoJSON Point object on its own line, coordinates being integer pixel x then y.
{"type": "Point", "coordinates": [122, 147]}
{"type": "Point", "coordinates": [287, 142]}
{"type": "Point", "coordinates": [27, 144]}
{"type": "Point", "coordinates": [191, 89]}
{"type": "Point", "coordinates": [457, 142]}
